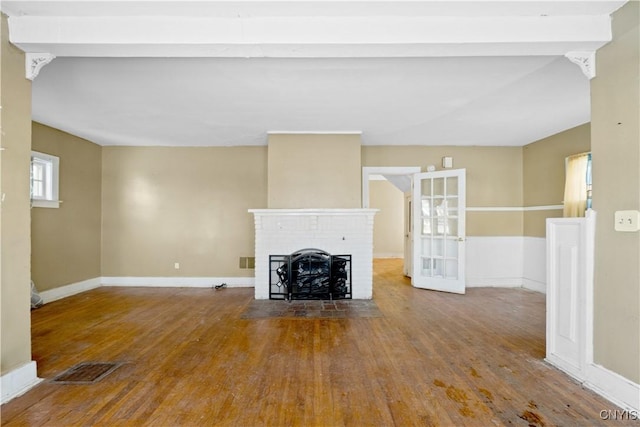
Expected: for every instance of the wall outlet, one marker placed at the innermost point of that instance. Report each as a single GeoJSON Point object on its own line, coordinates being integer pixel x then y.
{"type": "Point", "coordinates": [627, 221]}
{"type": "Point", "coordinates": [176, 265]}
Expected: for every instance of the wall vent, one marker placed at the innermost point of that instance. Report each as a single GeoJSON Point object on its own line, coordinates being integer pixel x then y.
{"type": "Point", "coordinates": [247, 262]}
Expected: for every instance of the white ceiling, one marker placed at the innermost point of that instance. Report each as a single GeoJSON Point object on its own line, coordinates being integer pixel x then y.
{"type": "Point", "coordinates": [217, 101]}
{"type": "Point", "coordinates": [382, 69]}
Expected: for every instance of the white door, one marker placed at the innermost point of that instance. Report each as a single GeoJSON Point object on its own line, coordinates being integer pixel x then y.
{"type": "Point", "coordinates": [439, 231]}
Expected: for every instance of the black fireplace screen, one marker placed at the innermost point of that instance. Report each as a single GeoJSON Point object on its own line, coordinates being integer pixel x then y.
{"type": "Point", "coordinates": [310, 274]}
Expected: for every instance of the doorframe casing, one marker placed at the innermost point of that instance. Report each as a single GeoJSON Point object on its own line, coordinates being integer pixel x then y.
{"type": "Point", "coordinates": [370, 171]}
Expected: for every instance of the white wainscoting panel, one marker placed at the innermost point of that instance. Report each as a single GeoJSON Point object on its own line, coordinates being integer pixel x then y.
{"type": "Point", "coordinates": [566, 296]}
{"type": "Point", "coordinates": [495, 261]}
{"type": "Point", "coordinates": [570, 265]}
{"type": "Point", "coordinates": [535, 264]}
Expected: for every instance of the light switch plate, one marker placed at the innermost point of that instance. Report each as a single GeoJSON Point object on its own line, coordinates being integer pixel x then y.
{"type": "Point", "coordinates": [628, 221]}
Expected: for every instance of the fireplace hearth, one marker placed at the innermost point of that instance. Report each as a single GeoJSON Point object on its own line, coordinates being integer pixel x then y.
{"type": "Point", "coordinates": [310, 274]}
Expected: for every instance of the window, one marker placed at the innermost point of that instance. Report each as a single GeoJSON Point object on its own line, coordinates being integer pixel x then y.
{"type": "Point", "coordinates": [577, 187]}
{"type": "Point", "coordinates": [44, 180]}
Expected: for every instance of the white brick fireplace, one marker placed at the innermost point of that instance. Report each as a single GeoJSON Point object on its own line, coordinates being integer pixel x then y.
{"type": "Point", "coordinates": [336, 231]}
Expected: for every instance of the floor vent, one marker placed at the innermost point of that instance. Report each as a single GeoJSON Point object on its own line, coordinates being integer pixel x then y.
{"type": "Point", "coordinates": [312, 309]}
{"type": "Point", "coordinates": [86, 373]}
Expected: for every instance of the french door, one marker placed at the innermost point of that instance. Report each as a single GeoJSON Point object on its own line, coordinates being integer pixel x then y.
{"type": "Point", "coordinates": [408, 248]}
{"type": "Point", "coordinates": [439, 231]}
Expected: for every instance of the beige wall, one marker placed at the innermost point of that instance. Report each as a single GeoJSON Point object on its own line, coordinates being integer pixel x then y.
{"type": "Point", "coordinates": [494, 179]}
{"type": "Point", "coordinates": [162, 205]}
{"type": "Point", "coordinates": [388, 224]}
{"type": "Point", "coordinates": [15, 98]}
{"type": "Point", "coordinates": [314, 171]}
{"type": "Point", "coordinates": [544, 173]}
{"type": "Point", "coordinates": [615, 145]}
{"type": "Point", "coordinates": [65, 242]}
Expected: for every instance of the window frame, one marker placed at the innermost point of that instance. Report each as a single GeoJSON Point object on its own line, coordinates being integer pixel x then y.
{"type": "Point", "coordinates": [51, 179]}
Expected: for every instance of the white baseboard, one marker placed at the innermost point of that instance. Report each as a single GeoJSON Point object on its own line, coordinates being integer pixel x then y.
{"type": "Point", "coordinates": [534, 285]}
{"type": "Point", "coordinates": [614, 387]}
{"type": "Point", "coordinates": [494, 282]}
{"type": "Point", "coordinates": [18, 381]}
{"type": "Point", "coordinates": [68, 290]}
{"type": "Point", "coordinates": [564, 366]}
{"type": "Point", "coordinates": [180, 282]}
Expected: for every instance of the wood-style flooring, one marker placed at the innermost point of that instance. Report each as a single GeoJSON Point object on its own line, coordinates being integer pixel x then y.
{"type": "Point", "coordinates": [189, 358]}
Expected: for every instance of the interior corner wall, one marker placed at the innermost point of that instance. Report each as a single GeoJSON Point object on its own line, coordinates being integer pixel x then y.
{"type": "Point", "coordinates": [65, 242]}
{"type": "Point", "coordinates": [615, 146]}
{"type": "Point", "coordinates": [314, 171]}
{"type": "Point", "coordinates": [15, 98]}
{"type": "Point", "coordinates": [186, 205]}
{"type": "Point", "coordinates": [544, 174]}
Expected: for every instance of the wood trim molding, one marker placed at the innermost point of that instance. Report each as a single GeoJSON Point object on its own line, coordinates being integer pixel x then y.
{"type": "Point", "coordinates": [374, 171]}
{"type": "Point", "coordinates": [514, 208]}
{"type": "Point", "coordinates": [586, 60]}
{"type": "Point", "coordinates": [180, 282]}
{"type": "Point", "coordinates": [60, 292]}
{"type": "Point", "coordinates": [18, 381]}
{"type": "Point", "coordinates": [34, 63]}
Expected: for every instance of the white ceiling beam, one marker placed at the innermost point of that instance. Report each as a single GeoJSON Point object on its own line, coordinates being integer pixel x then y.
{"type": "Point", "coordinates": [161, 36]}
{"type": "Point", "coordinates": [256, 8]}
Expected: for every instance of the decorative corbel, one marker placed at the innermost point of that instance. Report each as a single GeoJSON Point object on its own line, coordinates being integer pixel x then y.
{"type": "Point", "coordinates": [586, 60]}
{"type": "Point", "coordinates": [34, 63]}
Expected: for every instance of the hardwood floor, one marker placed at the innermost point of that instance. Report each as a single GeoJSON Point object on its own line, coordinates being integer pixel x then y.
{"type": "Point", "coordinates": [432, 359]}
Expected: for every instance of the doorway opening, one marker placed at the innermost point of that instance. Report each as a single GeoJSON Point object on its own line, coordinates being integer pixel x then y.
{"type": "Point", "coordinates": [389, 190]}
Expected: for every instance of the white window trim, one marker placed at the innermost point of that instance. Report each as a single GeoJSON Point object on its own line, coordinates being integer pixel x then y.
{"type": "Point", "coordinates": [54, 202]}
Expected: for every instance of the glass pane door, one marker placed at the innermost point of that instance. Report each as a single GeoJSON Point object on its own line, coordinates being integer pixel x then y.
{"type": "Point", "coordinates": [439, 202]}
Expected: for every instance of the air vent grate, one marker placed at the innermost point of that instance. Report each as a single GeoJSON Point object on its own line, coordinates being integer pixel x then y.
{"type": "Point", "coordinates": [86, 373]}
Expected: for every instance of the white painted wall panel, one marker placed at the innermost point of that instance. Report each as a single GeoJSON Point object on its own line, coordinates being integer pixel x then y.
{"type": "Point", "coordinates": [535, 264]}
{"type": "Point", "coordinates": [495, 261]}
{"type": "Point", "coordinates": [567, 293]}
